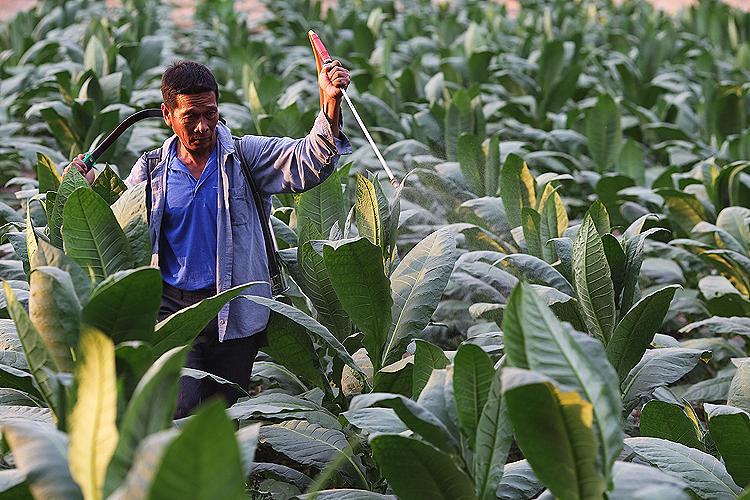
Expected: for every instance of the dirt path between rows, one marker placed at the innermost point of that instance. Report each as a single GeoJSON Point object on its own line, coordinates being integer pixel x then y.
{"type": "Point", "coordinates": [254, 8]}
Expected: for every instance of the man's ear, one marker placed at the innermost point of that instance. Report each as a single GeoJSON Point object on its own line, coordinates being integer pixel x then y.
{"type": "Point", "coordinates": [166, 114]}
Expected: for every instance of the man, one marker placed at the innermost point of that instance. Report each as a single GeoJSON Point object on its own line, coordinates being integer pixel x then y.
{"type": "Point", "coordinates": [205, 229]}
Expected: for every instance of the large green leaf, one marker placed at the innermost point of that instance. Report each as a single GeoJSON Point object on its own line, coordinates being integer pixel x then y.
{"type": "Point", "coordinates": [372, 420]}
{"type": "Point", "coordinates": [309, 444]}
{"type": "Point", "coordinates": [564, 306]}
{"type": "Point", "coordinates": [17, 379]}
{"type": "Point", "coordinates": [616, 261]}
{"type": "Point", "coordinates": [41, 453]}
{"type": "Point", "coordinates": [632, 162]}
{"type": "Point", "coordinates": [134, 358]}
{"type": "Point", "coordinates": [641, 481]}
{"type": "Point", "coordinates": [739, 389]}
{"type": "Point", "coordinates": [125, 305]}
{"type": "Point", "coordinates": [130, 212]}
{"type": "Point", "coordinates": [600, 217]}
{"type": "Point", "coordinates": [519, 481]}
{"type": "Point", "coordinates": [633, 263]}
{"type": "Point", "coordinates": [673, 422]}
{"type": "Point", "coordinates": [718, 326]}
{"type": "Point", "coordinates": [604, 132]}
{"type": "Point", "coordinates": [593, 281]}
{"type": "Point", "coordinates": [493, 439]}
{"type": "Point", "coordinates": [551, 65]}
{"type": "Point", "coordinates": [417, 285]}
{"type": "Point", "coordinates": [396, 377]}
{"type": "Point", "coordinates": [316, 283]}
{"type": "Point", "coordinates": [704, 474]}
{"type": "Point", "coordinates": [95, 57]}
{"type": "Point", "coordinates": [369, 211]}
{"type": "Point", "coordinates": [319, 208]}
{"type": "Point", "coordinates": [41, 363]}
{"type": "Point", "coordinates": [517, 188]}
{"type": "Point", "coordinates": [535, 339]}
{"type": "Point", "coordinates": [437, 398]}
{"type": "Point", "coordinates": [108, 185]}
{"type": "Point", "coordinates": [531, 223]}
{"type": "Point", "coordinates": [357, 274]}
{"type": "Point", "coordinates": [415, 470]}
{"type": "Point", "coordinates": [541, 414]}
{"type": "Point", "coordinates": [711, 390]}
{"type": "Point", "coordinates": [46, 172]}
{"type": "Point", "coordinates": [427, 357]}
{"type": "Point", "coordinates": [493, 167]}
{"type": "Point", "coordinates": [149, 410]}
{"type": "Point", "coordinates": [735, 220]}
{"type": "Point", "coordinates": [473, 372]}
{"type": "Point", "coordinates": [659, 367]}
{"type": "Point", "coordinates": [93, 430]}
{"type": "Point", "coordinates": [487, 212]}
{"type": "Point", "coordinates": [636, 330]}
{"type": "Point", "coordinates": [535, 270]}
{"type": "Point", "coordinates": [182, 327]}
{"type": "Point", "coordinates": [554, 222]}
{"type": "Point", "coordinates": [730, 431]}
{"type": "Point", "coordinates": [247, 439]}
{"type": "Point", "coordinates": [55, 311]}
{"type": "Point", "coordinates": [48, 255]}
{"type": "Point", "coordinates": [471, 159]}
{"type": "Point", "coordinates": [685, 209]}
{"type": "Point", "coordinates": [291, 346]}
{"type": "Point", "coordinates": [72, 181]}
{"type": "Point", "coordinates": [415, 415]}
{"type": "Point", "coordinates": [315, 329]}
{"type": "Point", "coordinates": [92, 236]}
{"type": "Point", "coordinates": [203, 462]}
{"type": "Point", "coordinates": [146, 463]}
{"type": "Point", "coordinates": [279, 406]}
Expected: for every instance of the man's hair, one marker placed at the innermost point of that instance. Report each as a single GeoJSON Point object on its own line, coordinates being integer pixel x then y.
{"type": "Point", "coordinates": [186, 77]}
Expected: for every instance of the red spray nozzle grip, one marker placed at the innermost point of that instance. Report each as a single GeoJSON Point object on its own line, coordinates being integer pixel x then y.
{"type": "Point", "coordinates": [321, 54]}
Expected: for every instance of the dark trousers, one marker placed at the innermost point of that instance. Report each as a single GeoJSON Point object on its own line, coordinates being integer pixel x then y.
{"type": "Point", "coordinates": [231, 359]}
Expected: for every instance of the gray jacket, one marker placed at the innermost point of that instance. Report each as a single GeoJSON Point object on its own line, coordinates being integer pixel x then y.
{"type": "Point", "coordinates": [278, 165]}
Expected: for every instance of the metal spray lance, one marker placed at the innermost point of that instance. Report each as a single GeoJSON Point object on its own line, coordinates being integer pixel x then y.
{"type": "Point", "coordinates": [322, 57]}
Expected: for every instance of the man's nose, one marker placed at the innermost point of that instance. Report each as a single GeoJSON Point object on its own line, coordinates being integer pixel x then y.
{"type": "Point", "coordinates": [201, 126]}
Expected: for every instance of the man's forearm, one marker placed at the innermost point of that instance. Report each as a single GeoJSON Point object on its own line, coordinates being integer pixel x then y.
{"type": "Point", "coordinates": [332, 110]}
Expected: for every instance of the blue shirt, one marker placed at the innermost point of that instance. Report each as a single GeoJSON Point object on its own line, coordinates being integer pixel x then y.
{"type": "Point", "coordinates": [278, 165]}
{"type": "Point", "coordinates": [188, 235]}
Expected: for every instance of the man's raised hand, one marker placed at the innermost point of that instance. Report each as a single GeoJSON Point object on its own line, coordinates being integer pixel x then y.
{"type": "Point", "coordinates": [332, 79]}
{"type": "Point", "coordinates": [78, 163]}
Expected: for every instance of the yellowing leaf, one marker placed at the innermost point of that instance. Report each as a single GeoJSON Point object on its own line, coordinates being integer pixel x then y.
{"type": "Point", "coordinates": [93, 431]}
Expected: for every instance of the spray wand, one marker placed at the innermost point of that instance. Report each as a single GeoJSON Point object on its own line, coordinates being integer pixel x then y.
{"type": "Point", "coordinates": [90, 159]}
{"type": "Point", "coordinates": [322, 57]}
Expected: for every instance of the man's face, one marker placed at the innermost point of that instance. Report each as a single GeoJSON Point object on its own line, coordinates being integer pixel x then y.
{"type": "Point", "coordinates": [194, 120]}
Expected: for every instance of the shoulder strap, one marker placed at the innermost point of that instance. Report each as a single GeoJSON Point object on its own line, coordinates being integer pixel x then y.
{"type": "Point", "coordinates": [278, 282]}
{"type": "Point", "coordinates": [152, 160]}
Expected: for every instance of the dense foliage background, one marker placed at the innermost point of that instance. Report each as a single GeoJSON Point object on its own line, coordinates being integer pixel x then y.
{"type": "Point", "coordinates": [554, 304]}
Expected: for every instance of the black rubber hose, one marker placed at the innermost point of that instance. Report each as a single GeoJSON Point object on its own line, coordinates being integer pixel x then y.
{"type": "Point", "coordinates": [90, 158]}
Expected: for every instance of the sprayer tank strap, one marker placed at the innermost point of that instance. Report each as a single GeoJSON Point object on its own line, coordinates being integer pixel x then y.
{"type": "Point", "coordinates": [274, 264]}
{"type": "Point", "coordinates": [152, 160]}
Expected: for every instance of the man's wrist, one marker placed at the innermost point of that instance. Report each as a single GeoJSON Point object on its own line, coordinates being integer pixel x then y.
{"type": "Point", "coordinates": [332, 110]}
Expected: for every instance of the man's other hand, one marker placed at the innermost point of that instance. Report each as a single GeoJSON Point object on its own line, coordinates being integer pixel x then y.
{"type": "Point", "coordinates": [332, 79]}
{"type": "Point", "coordinates": [78, 163]}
